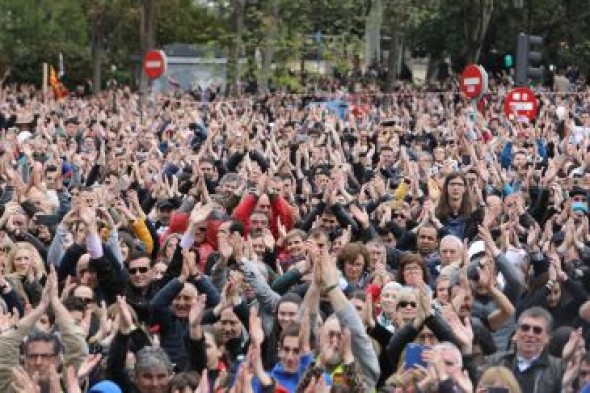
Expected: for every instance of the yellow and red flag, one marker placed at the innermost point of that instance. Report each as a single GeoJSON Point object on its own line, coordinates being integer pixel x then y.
{"type": "Point", "coordinates": [59, 90]}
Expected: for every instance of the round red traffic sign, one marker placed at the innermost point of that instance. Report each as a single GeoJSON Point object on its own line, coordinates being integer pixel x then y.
{"type": "Point", "coordinates": [154, 64]}
{"type": "Point", "coordinates": [472, 81]}
{"type": "Point", "coordinates": [521, 102]}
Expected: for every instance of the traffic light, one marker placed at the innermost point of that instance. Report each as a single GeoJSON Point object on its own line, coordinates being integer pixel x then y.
{"type": "Point", "coordinates": [508, 61]}
{"type": "Point", "coordinates": [528, 54]}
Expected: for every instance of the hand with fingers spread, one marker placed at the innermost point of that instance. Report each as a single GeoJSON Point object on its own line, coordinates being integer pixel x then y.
{"type": "Point", "coordinates": [126, 325]}
{"type": "Point", "coordinates": [22, 382]}
{"type": "Point", "coordinates": [462, 330]}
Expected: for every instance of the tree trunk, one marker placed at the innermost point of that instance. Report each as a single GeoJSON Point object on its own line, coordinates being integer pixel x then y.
{"type": "Point", "coordinates": [477, 16]}
{"type": "Point", "coordinates": [147, 37]}
{"type": "Point", "coordinates": [97, 51]}
{"type": "Point", "coordinates": [393, 58]}
{"type": "Point", "coordinates": [373, 22]}
{"type": "Point", "coordinates": [432, 69]}
{"type": "Point", "coordinates": [233, 58]}
{"type": "Point", "coordinates": [272, 32]}
{"type": "Point", "coordinates": [97, 45]}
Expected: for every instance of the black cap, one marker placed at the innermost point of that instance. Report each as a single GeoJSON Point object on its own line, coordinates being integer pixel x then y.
{"type": "Point", "coordinates": [165, 204]}
{"type": "Point", "coordinates": [578, 191]}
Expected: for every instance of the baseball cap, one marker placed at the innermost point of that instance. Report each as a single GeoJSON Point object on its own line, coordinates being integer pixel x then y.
{"type": "Point", "coordinates": [105, 387]}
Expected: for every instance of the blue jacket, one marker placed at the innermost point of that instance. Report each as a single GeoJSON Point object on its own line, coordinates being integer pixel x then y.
{"type": "Point", "coordinates": [506, 154]}
{"type": "Point", "coordinates": [289, 380]}
{"type": "Point", "coordinates": [173, 330]}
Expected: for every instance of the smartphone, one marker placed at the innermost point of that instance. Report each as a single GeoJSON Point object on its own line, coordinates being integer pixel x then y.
{"type": "Point", "coordinates": [414, 356]}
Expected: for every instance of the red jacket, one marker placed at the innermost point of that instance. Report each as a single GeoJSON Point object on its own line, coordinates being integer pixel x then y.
{"type": "Point", "coordinates": [279, 208]}
{"type": "Point", "coordinates": [179, 224]}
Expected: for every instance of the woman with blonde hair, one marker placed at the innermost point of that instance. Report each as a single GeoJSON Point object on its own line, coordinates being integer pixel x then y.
{"type": "Point", "coordinates": [25, 270]}
{"type": "Point", "coordinates": [498, 377]}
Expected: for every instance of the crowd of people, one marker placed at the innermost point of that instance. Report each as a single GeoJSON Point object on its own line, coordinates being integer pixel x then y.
{"type": "Point", "coordinates": [269, 243]}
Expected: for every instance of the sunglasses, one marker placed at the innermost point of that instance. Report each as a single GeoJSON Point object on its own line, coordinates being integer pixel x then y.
{"type": "Point", "coordinates": [525, 327]}
{"type": "Point", "coordinates": [405, 303]}
{"type": "Point", "coordinates": [201, 229]}
{"type": "Point", "coordinates": [135, 270]}
{"type": "Point", "coordinates": [398, 215]}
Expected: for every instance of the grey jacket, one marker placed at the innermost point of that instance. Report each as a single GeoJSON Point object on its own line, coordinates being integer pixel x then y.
{"type": "Point", "coordinates": [266, 297]}
{"type": "Point", "coordinates": [72, 336]}
{"type": "Point", "coordinates": [362, 347]}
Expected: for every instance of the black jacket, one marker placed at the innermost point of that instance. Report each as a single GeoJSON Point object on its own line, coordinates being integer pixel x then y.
{"type": "Point", "coordinates": [543, 376]}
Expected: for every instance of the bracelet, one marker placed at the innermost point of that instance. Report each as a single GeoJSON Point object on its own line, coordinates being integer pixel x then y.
{"type": "Point", "coordinates": [331, 288]}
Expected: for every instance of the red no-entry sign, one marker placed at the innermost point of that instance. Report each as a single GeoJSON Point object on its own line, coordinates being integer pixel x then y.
{"type": "Point", "coordinates": [473, 81]}
{"type": "Point", "coordinates": [154, 64]}
{"type": "Point", "coordinates": [521, 101]}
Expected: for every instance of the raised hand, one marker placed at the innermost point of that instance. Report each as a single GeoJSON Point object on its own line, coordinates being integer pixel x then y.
{"type": "Point", "coordinates": [125, 319]}
{"type": "Point", "coordinates": [462, 330]}
{"type": "Point", "coordinates": [197, 309]}
{"type": "Point", "coordinates": [22, 382]}
{"type": "Point", "coordinates": [88, 366]}
{"type": "Point", "coordinates": [255, 329]}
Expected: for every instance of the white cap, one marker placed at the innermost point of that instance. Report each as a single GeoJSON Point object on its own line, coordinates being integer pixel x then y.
{"type": "Point", "coordinates": [477, 247]}
{"type": "Point", "coordinates": [23, 136]}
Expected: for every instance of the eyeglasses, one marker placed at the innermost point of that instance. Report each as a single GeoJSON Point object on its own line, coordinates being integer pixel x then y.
{"type": "Point", "coordinates": [135, 270]}
{"type": "Point", "coordinates": [412, 268]}
{"type": "Point", "coordinates": [525, 327]}
{"type": "Point", "coordinates": [398, 215]}
{"type": "Point", "coordinates": [43, 356]}
{"type": "Point", "coordinates": [85, 300]}
{"type": "Point", "coordinates": [406, 303]}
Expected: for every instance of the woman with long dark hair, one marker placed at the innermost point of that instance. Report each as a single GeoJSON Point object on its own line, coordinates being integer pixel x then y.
{"type": "Point", "coordinates": [456, 211]}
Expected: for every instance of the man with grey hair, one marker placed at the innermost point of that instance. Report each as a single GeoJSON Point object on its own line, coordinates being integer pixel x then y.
{"type": "Point", "coordinates": [535, 370]}
{"type": "Point", "coordinates": [153, 369]}
{"type": "Point", "coordinates": [450, 250]}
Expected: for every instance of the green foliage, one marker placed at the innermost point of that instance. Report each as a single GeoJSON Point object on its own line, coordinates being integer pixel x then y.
{"type": "Point", "coordinates": [33, 32]}
{"type": "Point", "coordinates": [36, 31]}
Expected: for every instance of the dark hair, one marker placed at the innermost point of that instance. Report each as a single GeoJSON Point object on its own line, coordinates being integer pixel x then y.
{"type": "Point", "coordinates": [483, 338]}
{"type": "Point", "coordinates": [289, 297]}
{"type": "Point", "coordinates": [358, 294]}
{"type": "Point", "coordinates": [350, 252]}
{"type": "Point", "coordinates": [444, 209]}
{"type": "Point", "coordinates": [72, 303]}
{"type": "Point", "coordinates": [40, 336]}
{"type": "Point", "coordinates": [135, 254]}
{"type": "Point", "coordinates": [236, 226]}
{"type": "Point", "coordinates": [291, 331]}
{"type": "Point", "coordinates": [538, 313]}
{"type": "Point", "coordinates": [185, 379]}
{"type": "Point", "coordinates": [428, 226]}
{"type": "Point", "coordinates": [407, 259]}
